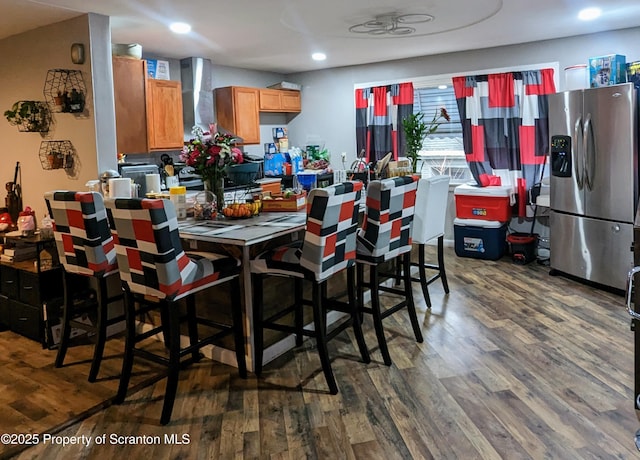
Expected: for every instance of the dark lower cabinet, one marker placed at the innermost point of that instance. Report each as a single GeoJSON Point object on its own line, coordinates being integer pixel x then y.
{"type": "Point", "coordinates": [24, 294]}
{"type": "Point", "coordinates": [26, 320]}
{"type": "Point", "coordinates": [5, 322]}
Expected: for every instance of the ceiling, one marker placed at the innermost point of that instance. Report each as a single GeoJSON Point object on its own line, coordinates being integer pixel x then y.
{"type": "Point", "coordinates": [280, 35]}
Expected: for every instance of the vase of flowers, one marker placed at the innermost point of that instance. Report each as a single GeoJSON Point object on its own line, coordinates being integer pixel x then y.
{"type": "Point", "coordinates": [416, 130]}
{"type": "Point", "coordinates": [209, 153]}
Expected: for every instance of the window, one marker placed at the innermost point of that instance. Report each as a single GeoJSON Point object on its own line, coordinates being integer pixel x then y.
{"type": "Point", "coordinates": [442, 152]}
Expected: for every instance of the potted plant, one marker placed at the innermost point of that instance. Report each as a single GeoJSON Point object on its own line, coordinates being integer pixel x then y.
{"type": "Point", "coordinates": [416, 130]}
{"type": "Point", "coordinates": [31, 116]}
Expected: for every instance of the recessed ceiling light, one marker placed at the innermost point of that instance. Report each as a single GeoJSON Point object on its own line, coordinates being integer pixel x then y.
{"type": "Point", "coordinates": [589, 14]}
{"type": "Point", "coordinates": [318, 56]}
{"type": "Point", "coordinates": [442, 86]}
{"type": "Point", "coordinates": [180, 28]}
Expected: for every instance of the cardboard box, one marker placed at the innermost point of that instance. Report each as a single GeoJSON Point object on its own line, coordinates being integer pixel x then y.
{"type": "Point", "coordinates": [291, 204]}
{"type": "Point", "coordinates": [633, 73]}
{"type": "Point", "coordinates": [272, 186]}
{"type": "Point", "coordinates": [158, 69]}
{"type": "Point", "coordinates": [607, 70]}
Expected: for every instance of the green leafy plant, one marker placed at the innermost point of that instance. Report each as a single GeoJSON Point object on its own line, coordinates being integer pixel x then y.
{"type": "Point", "coordinates": [416, 130]}
{"type": "Point", "coordinates": [29, 116]}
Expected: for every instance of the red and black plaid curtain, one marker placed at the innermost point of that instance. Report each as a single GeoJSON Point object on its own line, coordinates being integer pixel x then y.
{"type": "Point", "coordinates": [505, 122]}
{"type": "Point", "coordinates": [379, 112]}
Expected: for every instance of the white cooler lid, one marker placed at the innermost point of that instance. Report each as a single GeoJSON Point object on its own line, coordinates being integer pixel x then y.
{"type": "Point", "coordinates": [478, 223]}
{"type": "Point", "coordinates": [490, 190]}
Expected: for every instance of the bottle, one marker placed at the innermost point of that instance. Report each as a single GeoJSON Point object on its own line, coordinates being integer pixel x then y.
{"type": "Point", "coordinates": [178, 196]}
{"type": "Point", "coordinates": [46, 227]}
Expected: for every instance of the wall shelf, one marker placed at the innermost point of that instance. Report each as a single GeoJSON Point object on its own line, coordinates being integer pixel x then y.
{"type": "Point", "coordinates": [57, 155]}
{"type": "Point", "coordinates": [65, 91]}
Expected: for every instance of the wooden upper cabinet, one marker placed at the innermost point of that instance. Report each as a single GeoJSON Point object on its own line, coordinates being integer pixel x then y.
{"type": "Point", "coordinates": [165, 129]}
{"type": "Point", "coordinates": [237, 110]}
{"type": "Point", "coordinates": [276, 100]}
{"type": "Point", "coordinates": [130, 105]}
{"type": "Point", "coordinates": [148, 112]}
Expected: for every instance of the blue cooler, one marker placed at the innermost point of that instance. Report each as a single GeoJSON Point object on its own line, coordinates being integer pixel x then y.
{"type": "Point", "coordinates": [480, 239]}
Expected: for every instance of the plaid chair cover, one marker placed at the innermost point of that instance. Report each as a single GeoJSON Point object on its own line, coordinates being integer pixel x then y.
{"type": "Point", "coordinates": [81, 230]}
{"type": "Point", "coordinates": [386, 230]}
{"type": "Point", "coordinates": [330, 238]}
{"type": "Point", "coordinates": [150, 255]}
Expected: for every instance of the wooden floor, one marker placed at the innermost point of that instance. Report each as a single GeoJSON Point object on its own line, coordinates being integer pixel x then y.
{"type": "Point", "coordinates": [515, 364]}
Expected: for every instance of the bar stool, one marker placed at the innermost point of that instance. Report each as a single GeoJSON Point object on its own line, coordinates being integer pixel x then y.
{"type": "Point", "coordinates": [385, 235]}
{"type": "Point", "coordinates": [85, 248]}
{"type": "Point", "coordinates": [428, 223]}
{"type": "Point", "coordinates": [328, 248]}
{"type": "Point", "coordinates": [156, 273]}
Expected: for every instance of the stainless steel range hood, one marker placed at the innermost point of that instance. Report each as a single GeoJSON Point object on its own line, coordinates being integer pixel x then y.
{"type": "Point", "coordinates": [197, 94]}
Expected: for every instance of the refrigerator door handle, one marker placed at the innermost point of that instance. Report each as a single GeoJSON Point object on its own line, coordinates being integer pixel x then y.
{"type": "Point", "coordinates": [589, 150]}
{"type": "Point", "coordinates": [629, 292]}
{"type": "Point", "coordinates": [578, 157]}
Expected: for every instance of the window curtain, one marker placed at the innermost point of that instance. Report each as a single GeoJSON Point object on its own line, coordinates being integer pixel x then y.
{"type": "Point", "coordinates": [379, 114]}
{"type": "Point", "coordinates": [505, 124]}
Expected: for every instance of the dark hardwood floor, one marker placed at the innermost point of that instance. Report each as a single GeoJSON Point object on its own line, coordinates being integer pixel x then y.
{"type": "Point", "coordinates": [515, 364]}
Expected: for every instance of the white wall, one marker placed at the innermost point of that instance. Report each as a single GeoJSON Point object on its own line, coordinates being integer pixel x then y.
{"type": "Point", "coordinates": [26, 58]}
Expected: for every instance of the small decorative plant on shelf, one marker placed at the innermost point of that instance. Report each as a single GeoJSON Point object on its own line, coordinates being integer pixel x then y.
{"type": "Point", "coordinates": [416, 131]}
{"type": "Point", "coordinates": [29, 116]}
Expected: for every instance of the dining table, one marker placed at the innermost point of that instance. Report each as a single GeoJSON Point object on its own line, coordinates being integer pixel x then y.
{"type": "Point", "coordinates": [244, 238]}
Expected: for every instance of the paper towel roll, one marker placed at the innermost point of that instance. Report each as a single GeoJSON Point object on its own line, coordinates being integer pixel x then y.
{"type": "Point", "coordinates": [152, 182]}
{"type": "Point", "coordinates": [120, 187]}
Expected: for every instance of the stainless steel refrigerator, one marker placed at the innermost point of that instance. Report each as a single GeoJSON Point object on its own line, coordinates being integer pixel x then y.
{"type": "Point", "coordinates": [594, 182]}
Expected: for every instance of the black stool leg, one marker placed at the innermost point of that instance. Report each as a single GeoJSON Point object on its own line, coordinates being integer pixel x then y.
{"type": "Point", "coordinates": [101, 328]}
{"type": "Point", "coordinates": [423, 275]}
{"type": "Point", "coordinates": [258, 332]}
{"type": "Point", "coordinates": [406, 263]}
{"type": "Point", "coordinates": [173, 314]}
{"type": "Point", "coordinates": [319, 322]}
{"type": "Point", "coordinates": [377, 314]}
{"type": "Point", "coordinates": [298, 313]}
{"type": "Point", "coordinates": [355, 314]}
{"type": "Point", "coordinates": [443, 273]}
{"type": "Point", "coordinates": [238, 327]}
{"type": "Point", "coordinates": [192, 325]}
{"type": "Point", "coordinates": [129, 345]}
{"type": "Point", "coordinates": [66, 326]}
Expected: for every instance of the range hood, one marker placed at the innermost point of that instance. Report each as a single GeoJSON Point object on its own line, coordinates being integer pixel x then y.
{"type": "Point", "coordinates": [197, 94]}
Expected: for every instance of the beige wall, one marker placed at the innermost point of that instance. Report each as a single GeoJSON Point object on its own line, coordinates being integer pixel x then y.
{"type": "Point", "coordinates": [26, 58]}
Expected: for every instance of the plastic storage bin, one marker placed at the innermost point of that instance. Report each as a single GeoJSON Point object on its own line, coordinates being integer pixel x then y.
{"type": "Point", "coordinates": [485, 203]}
{"type": "Point", "coordinates": [479, 239]}
{"type": "Point", "coordinates": [522, 247]}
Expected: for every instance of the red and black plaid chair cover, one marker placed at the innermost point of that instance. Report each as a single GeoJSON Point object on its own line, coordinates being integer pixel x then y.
{"type": "Point", "coordinates": [83, 238]}
{"type": "Point", "coordinates": [150, 254]}
{"type": "Point", "coordinates": [153, 264]}
{"type": "Point", "coordinates": [85, 247]}
{"type": "Point", "coordinates": [329, 247]}
{"type": "Point", "coordinates": [384, 236]}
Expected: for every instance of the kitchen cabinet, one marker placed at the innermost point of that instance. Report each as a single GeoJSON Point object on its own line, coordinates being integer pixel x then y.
{"type": "Point", "coordinates": [148, 111]}
{"type": "Point", "coordinates": [237, 111]}
{"type": "Point", "coordinates": [279, 100]}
